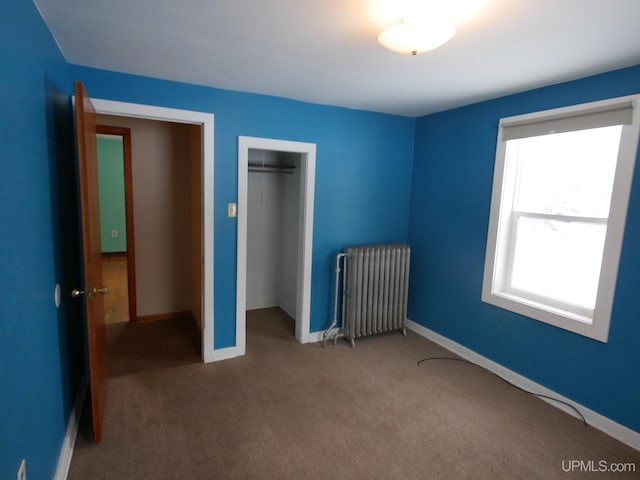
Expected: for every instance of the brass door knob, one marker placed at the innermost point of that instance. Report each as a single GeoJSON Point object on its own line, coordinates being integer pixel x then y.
{"type": "Point", "coordinates": [99, 291]}
{"type": "Point", "coordinates": [90, 293]}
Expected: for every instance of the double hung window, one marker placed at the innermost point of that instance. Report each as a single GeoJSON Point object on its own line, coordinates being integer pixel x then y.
{"type": "Point", "coordinates": [561, 186]}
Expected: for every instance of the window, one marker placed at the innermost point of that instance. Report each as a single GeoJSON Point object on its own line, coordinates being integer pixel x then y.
{"type": "Point", "coordinates": [562, 180]}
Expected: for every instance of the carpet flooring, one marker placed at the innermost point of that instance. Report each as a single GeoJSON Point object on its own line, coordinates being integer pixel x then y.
{"type": "Point", "coordinates": [291, 411]}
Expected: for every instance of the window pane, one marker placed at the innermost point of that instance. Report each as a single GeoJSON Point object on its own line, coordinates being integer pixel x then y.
{"type": "Point", "coordinates": [558, 260]}
{"type": "Point", "coordinates": [566, 173]}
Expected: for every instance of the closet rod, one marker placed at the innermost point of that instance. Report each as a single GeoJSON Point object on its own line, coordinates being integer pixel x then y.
{"type": "Point", "coordinates": [258, 167]}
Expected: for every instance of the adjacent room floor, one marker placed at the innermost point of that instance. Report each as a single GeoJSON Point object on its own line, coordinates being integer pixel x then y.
{"type": "Point", "coordinates": [136, 347]}
{"type": "Point", "coordinates": [114, 275]}
{"type": "Point", "coordinates": [286, 410]}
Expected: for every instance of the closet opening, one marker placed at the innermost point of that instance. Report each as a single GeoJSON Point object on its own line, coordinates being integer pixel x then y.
{"type": "Point", "coordinates": [273, 206]}
{"type": "Point", "coordinates": [275, 227]}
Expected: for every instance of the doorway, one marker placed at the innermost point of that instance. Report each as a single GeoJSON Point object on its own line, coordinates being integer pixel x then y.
{"type": "Point", "coordinates": [116, 222]}
{"type": "Point", "coordinates": [273, 198]}
{"type": "Point", "coordinates": [166, 178]}
{"type": "Point", "coordinates": [203, 226]}
{"type": "Point", "coordinates": [277, 157]}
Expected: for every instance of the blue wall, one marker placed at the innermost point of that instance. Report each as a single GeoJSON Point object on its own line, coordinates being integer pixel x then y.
{"type": "Point", "coordinates": [37, 245]}
{"type": "Point", "coordinates": [451, 194]}
{"type": "Point", "coordinates": [363, 172]}
{"type": "Point", "coordinates": [111, 189]}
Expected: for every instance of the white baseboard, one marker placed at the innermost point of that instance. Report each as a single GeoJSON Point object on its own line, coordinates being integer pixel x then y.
{"type": "Point", "coordinates": [66, 452]}
{"type": "Point", "coordinates": [594, 419]}
{"type": "Point", "coordinates": [207, 346]}
{"type": "Point", "coordinates": [227, 353]}
{"type": "Point", "coordinates": [288, 309]}
{"type": "Point", "coordinates": [260, 304]}
{"type": "Point", "coordinates": [317, 336]}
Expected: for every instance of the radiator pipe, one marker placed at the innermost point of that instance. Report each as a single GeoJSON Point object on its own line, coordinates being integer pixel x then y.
{"type": "Point", "coordinates": [325, 334]}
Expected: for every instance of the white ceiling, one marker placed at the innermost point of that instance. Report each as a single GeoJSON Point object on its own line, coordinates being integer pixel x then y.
{"type": "Point", "coordinates": [325, 51]}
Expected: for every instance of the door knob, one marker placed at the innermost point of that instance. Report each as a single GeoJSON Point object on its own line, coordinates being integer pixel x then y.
{"type": "Point", "coordinates": [90, 293]}
{"type": "Point", "coordinates": [75, 293]}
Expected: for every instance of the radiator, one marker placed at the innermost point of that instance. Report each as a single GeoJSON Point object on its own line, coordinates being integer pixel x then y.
{"type": "Point", "coordinates": [375, 289]}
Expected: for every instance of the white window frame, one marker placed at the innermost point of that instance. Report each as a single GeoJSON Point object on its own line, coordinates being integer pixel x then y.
{"type": "Point", "coordinates": [500, 248]}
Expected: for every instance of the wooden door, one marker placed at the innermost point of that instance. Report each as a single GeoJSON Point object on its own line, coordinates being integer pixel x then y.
{"type": "Point", "coordinates": [92, 289]}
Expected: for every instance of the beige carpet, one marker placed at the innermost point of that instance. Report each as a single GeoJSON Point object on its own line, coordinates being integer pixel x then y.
{"type": "Point", "coordinates": [291, 411]}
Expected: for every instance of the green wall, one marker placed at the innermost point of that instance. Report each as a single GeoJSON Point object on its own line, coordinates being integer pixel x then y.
{"type": "Point", "coordinates": [111, 186]}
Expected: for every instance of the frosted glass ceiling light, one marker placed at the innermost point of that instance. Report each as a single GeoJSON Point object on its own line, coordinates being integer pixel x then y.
{"type": "Point", "coordinates": [416, 36]}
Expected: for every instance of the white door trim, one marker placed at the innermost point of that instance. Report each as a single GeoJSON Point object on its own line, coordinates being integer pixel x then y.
{"type": "Point", "coordinates": [305, 238]}
{"type": "Point", "coordinates": [205, 120]}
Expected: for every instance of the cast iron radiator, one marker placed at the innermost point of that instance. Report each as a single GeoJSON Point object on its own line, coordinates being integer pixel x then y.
{"type": "Point", "coordinates": [375, 285]}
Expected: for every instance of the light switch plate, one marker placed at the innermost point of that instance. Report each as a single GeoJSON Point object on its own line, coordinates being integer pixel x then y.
{"type": "Point", "coordinates": [233, 210]}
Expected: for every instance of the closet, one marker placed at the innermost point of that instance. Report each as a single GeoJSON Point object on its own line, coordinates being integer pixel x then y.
{"type": "Point", "coordinates": [273, 226]}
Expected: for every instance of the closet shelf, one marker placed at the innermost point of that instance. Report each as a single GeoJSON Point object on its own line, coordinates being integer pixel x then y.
{"type": "Point", "coordinates": [259, 167]}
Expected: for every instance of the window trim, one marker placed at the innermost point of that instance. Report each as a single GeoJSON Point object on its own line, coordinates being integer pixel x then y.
{"type": "Point", "coordinates": [596, 327]}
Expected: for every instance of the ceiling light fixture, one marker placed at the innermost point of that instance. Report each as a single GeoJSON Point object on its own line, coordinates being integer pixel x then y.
{"type": "Point", "coordinates": [416, 35]}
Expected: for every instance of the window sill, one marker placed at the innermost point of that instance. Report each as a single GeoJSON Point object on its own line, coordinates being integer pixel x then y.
{"type": "Point", "coordinates": [557, 317]}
